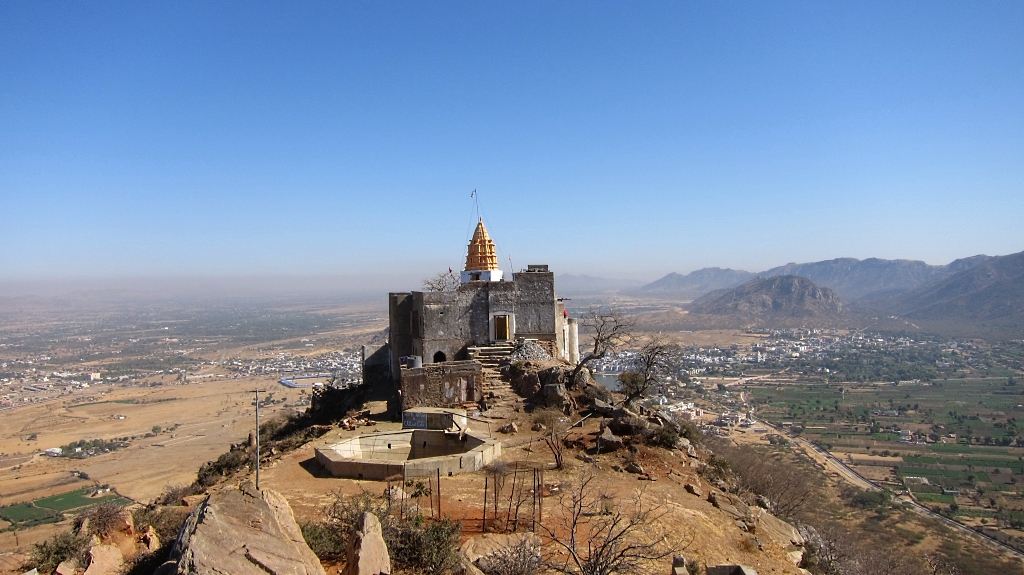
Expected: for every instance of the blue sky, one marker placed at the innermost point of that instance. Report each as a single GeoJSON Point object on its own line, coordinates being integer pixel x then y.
{"type": "Point", "coordinates": [615, 139]}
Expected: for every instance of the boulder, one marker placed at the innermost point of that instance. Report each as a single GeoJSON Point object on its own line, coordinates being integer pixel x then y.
{"type": "Point", "coordinates": [538, 427]}
{"type": "Point", "coordinates": [694, 490]}
{"type": "Point", "coordinates": [555, 376]}
{"type": "Point", "coordinates": [67, 567]}
{"type": "Point", "coordinates": [691, 451]}
{"type": "Point", "coordinates": [732, 506]}
{"type": "Point", "coordinates": [367, 553]}
{"type": "Point", "coordinates": [526, 383]}
{"type": "Point", "coordinates": [628, 424]}
{"type": "Point", "coordinates": [554, 395]}
{"type": "Point", "coordinates": [603, 408]}
{"type": "Point", "coordinates": [608, 441]}
{"type": "Point", "coordinates": [634, 467]}
{"type": "Point", "coordinates": [105, 560]}
{"type": "Point", "coordinates": [241, 531]}
{"type": "Point", "coordinates": [777, 530]}
{"type": "Point", "coordinates": [796, 557]}
{"type": "Point", "coordinates": [509, 427]}
{"type": "Point", "coordinates": [151, 539]}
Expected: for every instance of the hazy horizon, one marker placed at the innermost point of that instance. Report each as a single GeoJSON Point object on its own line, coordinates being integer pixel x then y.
{"type": "Point", "coordinates": [355, 287]}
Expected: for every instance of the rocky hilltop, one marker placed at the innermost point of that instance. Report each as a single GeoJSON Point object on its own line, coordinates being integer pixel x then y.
{"type": "Point", "coordinates": [772, 299]}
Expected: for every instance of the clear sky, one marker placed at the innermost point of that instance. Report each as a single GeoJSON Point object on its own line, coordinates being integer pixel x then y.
{"type": "Point", "coordinates": [625, 139]}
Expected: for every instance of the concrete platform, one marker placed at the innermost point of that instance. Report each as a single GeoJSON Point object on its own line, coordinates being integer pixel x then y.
{"type": "Point", "coordinates": [410, 452]}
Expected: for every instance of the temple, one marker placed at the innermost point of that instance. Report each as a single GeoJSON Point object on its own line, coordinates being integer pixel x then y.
{"type": "Point", "coordinates": [442, 343]}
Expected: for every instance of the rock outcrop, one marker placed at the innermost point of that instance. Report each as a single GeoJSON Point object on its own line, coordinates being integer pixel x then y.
{"type": "Point", "coordinates": [367, 553]}
{"type": "Point", "coordinates": [241, 531]}
{"type": "Point", "coordinates": [105, 560]}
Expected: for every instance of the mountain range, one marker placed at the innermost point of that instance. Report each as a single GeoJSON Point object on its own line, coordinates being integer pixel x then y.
{"type": "Point", "coordinates": [991, 292]}
{"type": "Point", "coordinates": [976, 292]}
{"type": "Point", "coordinates": [851, 278]}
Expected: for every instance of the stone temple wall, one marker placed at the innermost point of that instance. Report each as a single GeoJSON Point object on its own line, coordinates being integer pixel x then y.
{"type": "Point", "coordinates": [448, 384]}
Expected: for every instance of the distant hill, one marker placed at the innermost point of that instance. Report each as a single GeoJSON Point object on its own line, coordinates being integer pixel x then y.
{"type": "Point", "coordinates": [771, 300]}
{"type": "Point", "coordinates": [695, 284]}
{"type": "Point", "coordinates": [851, 278]}
{"type": "Point", "coordinates": [992, 291]}
{"type": "Point", "coordinates": [568, 284]}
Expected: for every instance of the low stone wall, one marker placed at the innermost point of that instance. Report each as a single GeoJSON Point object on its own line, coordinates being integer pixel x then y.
{"type": "Point", "coordinates": [410, 452]}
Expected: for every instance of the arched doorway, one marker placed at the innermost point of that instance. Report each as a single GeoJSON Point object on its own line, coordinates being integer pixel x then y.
{"type": "Point", "coordinates": [440, 357]}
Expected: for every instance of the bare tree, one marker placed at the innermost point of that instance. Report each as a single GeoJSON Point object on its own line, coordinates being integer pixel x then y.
{"type": "Point", "coordinates": [828, 547]}
{"type": "Point", "coordinates": [499, 471]}
{"type": "Point", "coordinates": [555, 427]}
{"type": "Point", "coordinates": [598, 538]}
{"type": "Point", "coordinates": [444, 281]}
{"type": "Point", "coordinates": [610, 330]}
{"type": "Point", "coordinates": [554, 443]}
{"type": "Point", "coordinates": [787, 487]}
{"type": "Point", "coordinates": [937, 565]}
{"type": "Point", "coordinates": [650, 363]}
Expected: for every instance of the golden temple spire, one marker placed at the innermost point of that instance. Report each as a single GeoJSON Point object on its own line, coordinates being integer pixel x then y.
{"type": "Point", "coordinates": [482, 255]}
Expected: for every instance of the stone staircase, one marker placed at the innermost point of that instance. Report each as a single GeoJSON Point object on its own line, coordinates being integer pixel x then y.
{"type": "Point", "coordinates": [492, 358]}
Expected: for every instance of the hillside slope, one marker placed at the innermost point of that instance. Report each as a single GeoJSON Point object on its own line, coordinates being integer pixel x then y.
{"type": "Point", "coordinates": [772, 299]}
{"type": "Point", "coordinates": [992, 291]}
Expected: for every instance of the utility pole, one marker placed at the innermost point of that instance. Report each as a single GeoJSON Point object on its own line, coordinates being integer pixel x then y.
{"type": "Point", "coordinates": [257, 392]}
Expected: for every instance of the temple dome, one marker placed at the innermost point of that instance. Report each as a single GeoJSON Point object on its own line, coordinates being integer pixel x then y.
{"type": "Point", "coordinates": [482, 254]}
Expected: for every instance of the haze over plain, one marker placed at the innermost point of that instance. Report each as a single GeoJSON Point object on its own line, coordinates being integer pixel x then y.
{"type": "Point", "coordinates": [623, 141]}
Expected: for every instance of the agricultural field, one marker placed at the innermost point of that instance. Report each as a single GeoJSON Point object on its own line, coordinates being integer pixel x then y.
{"type": "Point", "coordinates": [954, 445]}
{"type": "Point", "coordinates": [56, 507]}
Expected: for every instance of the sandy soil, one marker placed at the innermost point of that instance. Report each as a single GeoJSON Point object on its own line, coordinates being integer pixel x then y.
{"type": "Point", "coordinates": [212, 415]}
{"type": "Point", "coordinates": [692, 525]}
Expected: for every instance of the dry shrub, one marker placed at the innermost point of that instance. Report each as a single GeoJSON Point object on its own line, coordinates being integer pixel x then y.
{"type": "Point", "coordinates": [524, 558]}
{"type": "Point", "coordinates": [415, 544]}
{"type": "Point", "coordinates": [165, 520]}
{"type": "Point", "coordinates": [46, 556]}
{"type": "Point", "coordinates": [102, 520]}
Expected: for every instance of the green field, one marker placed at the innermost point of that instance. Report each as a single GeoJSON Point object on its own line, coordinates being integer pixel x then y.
{"type": "Point", "coordinates": [24, 512]}
{"type": "Point", "coordinates": [76, 499]}
{"type": "Point", "coordinates": [866, 418]}
{"type": "Point", "coordinates": [933, 498]}
{"type": "Point", "coordinates": [53, 508]}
